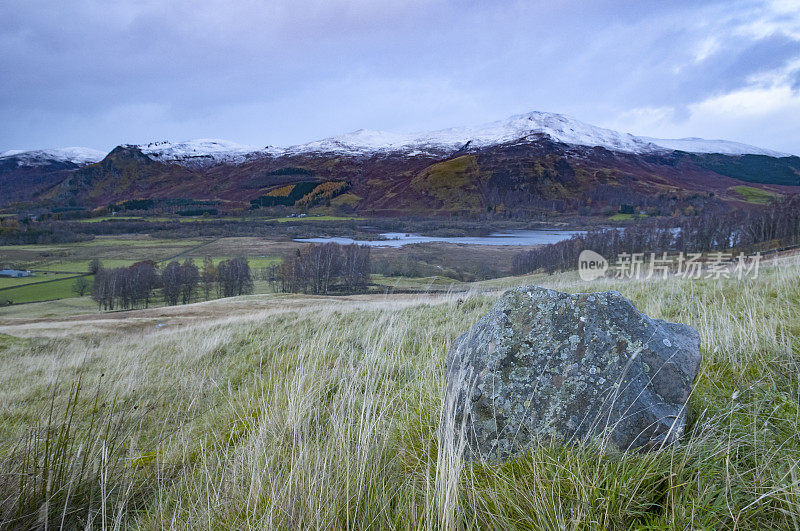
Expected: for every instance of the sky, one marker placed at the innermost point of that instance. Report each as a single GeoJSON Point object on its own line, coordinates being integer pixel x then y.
{"type": "Point", "coordinates": [281, 72]}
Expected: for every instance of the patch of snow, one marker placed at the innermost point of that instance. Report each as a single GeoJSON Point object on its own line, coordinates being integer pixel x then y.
{"type": "Point", "coordinates": [203, 152]}
{"type": "Point", "coordinates": [362, 141]}
{"type": "Point", "coordinates": [75, 155]}
{"type": "Point", "coordinates": [700, 145]}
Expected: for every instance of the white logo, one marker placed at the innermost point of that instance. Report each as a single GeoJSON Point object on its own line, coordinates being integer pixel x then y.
{"type": "Point", "coordinates": [591, 265]}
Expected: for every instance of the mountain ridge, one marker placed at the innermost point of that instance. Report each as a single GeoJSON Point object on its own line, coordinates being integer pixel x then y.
{"type": "Point", "coordinates": [522, 165]}
{"type": "Point", "coordinates": [558, 127]}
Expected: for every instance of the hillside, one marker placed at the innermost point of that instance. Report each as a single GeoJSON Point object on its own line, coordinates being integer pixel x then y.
{"type": "Point", "coordinates": [318, 412]}
{"type": "Point", "coordinates": [519, 166]}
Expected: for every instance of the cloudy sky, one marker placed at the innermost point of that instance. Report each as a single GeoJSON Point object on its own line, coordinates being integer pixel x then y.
{"type": "Point", "coordinates": [280, 72]}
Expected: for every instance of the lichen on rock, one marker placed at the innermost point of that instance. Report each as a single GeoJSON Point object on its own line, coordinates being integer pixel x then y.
{"type": "Point", "coordinates": [549, 366]}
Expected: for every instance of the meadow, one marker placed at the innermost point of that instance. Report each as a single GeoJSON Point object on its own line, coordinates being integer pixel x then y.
{"type": "Point", "coordinates": [61, 264]}
{"type": "Point", "coordinates": [286, 411]}
{"type": "Point", "coordinates": [10, 282]}
{"type": "Point", "coordinates": [185, 219]}
{"type": "Point", "coordinates": [36, 289]}
{"type": "Point", "coordinates": [428, 267]}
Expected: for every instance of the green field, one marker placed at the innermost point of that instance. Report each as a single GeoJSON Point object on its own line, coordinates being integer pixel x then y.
{"type": "Point", "coordinates": [30, 290]}
{"type": "Point", "coordinates": [59, 289]}
{"type": "Point", "coordinates": [153, 243]}
{"type": "Point", "coordinates": [184, 219]}
{"type": "Point", "coordinates": [113, 252]}
{"type": "Point", "coordinates": [314, 218]}
{"type": "Point", "coordinates": [755, 195]}
{"type": "Point", "coordinates": [110, 218]}
{"type": "Point", "coordinates": [255, 261]}
{"type": "Point", "coordinates": [38, 277]}
{"type": "Point", "coordinates": [58, 308]}
{"type": "Point", "coordinates": [147, 218]}
{"type": "Point", "coordinates": [622, 217]}
{"type": "Point", "coordinates": [81, 266]}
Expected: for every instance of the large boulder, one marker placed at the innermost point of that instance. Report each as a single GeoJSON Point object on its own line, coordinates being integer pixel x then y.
{"type": "Point", "coordinates": [546, 366]}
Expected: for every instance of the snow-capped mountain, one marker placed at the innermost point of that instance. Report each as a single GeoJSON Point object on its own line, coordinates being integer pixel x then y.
{"type": "Point", "coordinates": [200, 152]}
{"type": "Point", "coordinates": [524, 127]}
{"type": "Point", "coordinates": [557, 127]}
{"type": "Point", "coordinates": [74, 155]}
{"type": "Point", "coordinates": [521, 163]}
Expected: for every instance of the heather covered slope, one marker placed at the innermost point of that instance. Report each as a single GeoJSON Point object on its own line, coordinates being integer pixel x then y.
{"type": "Point", "coordinates": [22, 184]}
{"type": "Point", "coordinates": [26, 174]}
{"type": "Point", "coordinates": [315, 412]}
{"type": "Point", "coordinates": [518, 176]}
{"type": "Point", "coordinates": [522, 165]}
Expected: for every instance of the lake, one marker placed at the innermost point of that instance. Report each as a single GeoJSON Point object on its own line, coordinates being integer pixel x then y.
{"type": "Point", "coordinates": [399, 239]}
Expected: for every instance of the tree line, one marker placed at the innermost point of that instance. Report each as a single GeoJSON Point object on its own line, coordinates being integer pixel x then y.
{"type": "Point", "coordinates": [134, 286]}
{"type": "Point", "coordinates": [324, 268]}
{"type": "Point", "coordinates": [774, 226]}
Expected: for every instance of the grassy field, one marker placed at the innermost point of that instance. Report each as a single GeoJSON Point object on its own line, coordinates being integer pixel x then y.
{"type": "Point", "coordinates": [7, 282]}
{"type": "Point", "coordinates": [622, 217]}
{"type": "Point", "coordinates": [755, 195]}
{"type": "Point", "coordinates": [436, 260]}
{"type": "Point", "coordinates": [113, 251]}
{"type": "Point", "coordinates": [314, 218]}
{"type": "Point", "coordinates": [60, 308]}
{"type": "Point", "coordinates": [40, 291]}
{"type": "Point", "coordinates": [63, 289]}
{"type": "Point", "coordinates": [278, 411]}
{"type": "Point", "coordinates": [200, 218]}
{"type": "Point", "coordinates": [110, 218]}
{"type": "Point", "coordinates": [120, 252]}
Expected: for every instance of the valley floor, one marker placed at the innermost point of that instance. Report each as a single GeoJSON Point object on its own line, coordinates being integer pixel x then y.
{"type": "Point", "coordinates": [279, 411]}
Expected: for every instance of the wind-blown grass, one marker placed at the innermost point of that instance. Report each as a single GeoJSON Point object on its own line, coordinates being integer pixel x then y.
{"type": "Point", "coordinates": [327, 416]}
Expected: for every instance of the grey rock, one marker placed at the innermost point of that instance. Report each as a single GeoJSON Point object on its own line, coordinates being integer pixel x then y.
{"type": "Point", "coordinates": [548, 366]}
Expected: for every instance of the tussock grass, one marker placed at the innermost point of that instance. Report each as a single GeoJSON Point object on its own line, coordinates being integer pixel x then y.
{"type": "Point", "coordinates": [327, 416]}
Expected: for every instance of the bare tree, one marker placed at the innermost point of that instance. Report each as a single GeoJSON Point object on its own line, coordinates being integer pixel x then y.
{"type": "Point", "coordinates": [234, 277]}
{"type": "Point", "coordinates": [326, 268]}
{"type": "Point", "coordinates": [100, 289]}
{"type": "Point", "coordinates": [208, 275]}
{"type": "Point", "coordinates": [171, 283]}
{"type": "Point", "coordinates": [356, 267]}
{"type": "Point", "coordinates": [189, 278]}
{"type": "Point", "coordinates": [716, 229]}
{"type": "Point", "coordinates": [142, 279]}
{"type": "Point", "coordinates": [125, 287]}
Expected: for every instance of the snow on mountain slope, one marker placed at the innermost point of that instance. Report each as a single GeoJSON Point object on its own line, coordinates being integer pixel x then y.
{"type": "Point", "coordinates": [75, 155]}
{"type": "Point", "coordinates": [700, 145]}
{"type": "Point", "coordinates": [203, 151]}
{"type": "Point", "coordinates": [558, 127]}
{"type": "Point", "coordinates": [361, 141]}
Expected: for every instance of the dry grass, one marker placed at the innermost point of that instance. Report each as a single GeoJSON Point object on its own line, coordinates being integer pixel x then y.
{"type": "Point", "coordinates": [285, 412]}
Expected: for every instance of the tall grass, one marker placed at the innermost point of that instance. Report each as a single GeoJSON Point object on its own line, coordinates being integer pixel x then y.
{"type": "Point", "coordinates": [328, 417]}
{"type": "Point", "coordinates": [70, 471]}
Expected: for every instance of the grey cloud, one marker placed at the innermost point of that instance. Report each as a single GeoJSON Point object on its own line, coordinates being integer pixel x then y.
{"type": "Point", "coordinates": [99, 73]}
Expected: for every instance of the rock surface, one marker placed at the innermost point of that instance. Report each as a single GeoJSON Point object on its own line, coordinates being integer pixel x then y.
{"type": "Point", "coordinates": [589, 367]}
